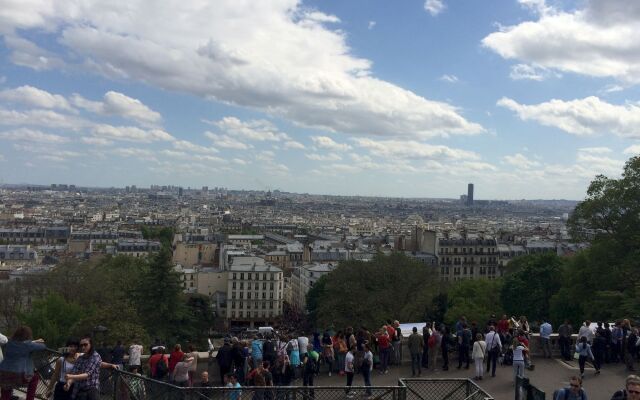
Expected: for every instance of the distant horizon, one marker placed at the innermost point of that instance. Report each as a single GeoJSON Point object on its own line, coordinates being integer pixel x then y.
{"type": "Point", "coordinates": [48, 186]}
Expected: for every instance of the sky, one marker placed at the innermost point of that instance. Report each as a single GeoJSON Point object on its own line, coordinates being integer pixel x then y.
{"type": "Point", "coordinates": [527, 99]}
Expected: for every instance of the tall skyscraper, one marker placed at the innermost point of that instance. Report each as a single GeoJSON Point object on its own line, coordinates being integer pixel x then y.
{"type": "Point", "coordinates": [470, 194]}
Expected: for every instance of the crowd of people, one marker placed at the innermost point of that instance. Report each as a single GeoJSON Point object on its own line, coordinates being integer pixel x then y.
{"type": "Point", "coordinates": [282, 360]}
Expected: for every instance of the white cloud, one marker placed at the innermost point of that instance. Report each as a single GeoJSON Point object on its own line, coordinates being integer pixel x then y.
{"type": "Point", "coordinates": [256, 130]}
{"type": "Point", "coordinates": [133, 152]}
{"type": "Point", "coordinates": [595, 150]}
{"type": "Point", "coordinates": [325, 142]}
{"type": "Point", "coordinates": [395, 149]}
{"type": "Point", "coordinates": [131, 133]}
{"type": "Point", "coordinates": [371, 25]}
{"type": "Point", "coordinates": [30, 135]}
{"type": "Point", "coordinates": [612, 89]}
{"type": "Point", "coordinates": [519, 160]}
{"type": "Point", "coordinates": [530, 72]}
{"type": "Point", "coordinates": [226, 142]}
{"type": "Point", "coordinates": [581, 117]}
{"type": "Point", "coordinates": [285, 61]}
{"type": "Point", "coordinates": [595, 40]}
{"type": "Point", "coordinates": [96, 141]}
{"type": "Point", "coordinates": [238, 161]}
{"type": "Point", "coordinates": [25, 53]}
{"type": "Point", "coordinates": [323, 157]}
{"type": "Point", "coordinates": [32, 96]}
{"type": "Point", "coordinates": [634, 149]}
{"type": "Point", "coordinates": [434, 7]}
{"type": "Point", "coordinates": [449, 78]}
{"type": "Point", "coordinates": [43, 118]}
{"type": "Point", "coordinates": [292, 144]}
{"type": "Point", "coordinates": [185, 145]}
{"type": "Point", "coordinates": [121, 105]}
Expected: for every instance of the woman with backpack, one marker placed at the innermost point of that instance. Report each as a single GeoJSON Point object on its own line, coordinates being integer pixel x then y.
{"type": "Point", "coordinates": [584, 351]}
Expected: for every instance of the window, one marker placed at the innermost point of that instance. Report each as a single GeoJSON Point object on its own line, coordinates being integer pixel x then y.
{"type": "Point", "coordinates": [249, 295]}
{"type": "Point", "coordinates": [271, 305]}
{"type": "Point", "coordinates": [264, 277]}
{"type": "Point", "coordinates": [241, 314]}
{"type": "Point", "coordinates": [264, 295]}
{"type": "Point", "coordinates": [233, 314]}
{"type": "Point", "coordinates": [242, 276]}
{"type": "Point", "coordinates": [271, 295]}
{"type": "Point", "coordinates": [241, 285]}
{"type": "Point", "coordinates": [233, 304]}
{"type": "Point", "coordinates": [264, 285]}
{"type": "Point", "coordinates": [271, 286]}
{"type": "Point", "coordinates": [241, 294]}
{"type": "Point", "coordinates": [234, 275]}
{"type": "Point", "coordinates": [233, 286]}
{"type": "Point", "coordinates": [255, 305]}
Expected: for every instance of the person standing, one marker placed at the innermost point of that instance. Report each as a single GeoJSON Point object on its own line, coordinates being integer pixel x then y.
{"type": "Point", "coordinates": [631, 349]}
{"type": "Point", "coordinates": [631, 390]}
{"type": "Point", "coordinates": [564, 339]}
{"type": "Point", "coordinates": [584, 350]}
{"type": "Point", "coordinates": [303, 345]}
{"type": "Point", "coordinates": [545, 338]}
{"type": "Point", "coordinates": [416, 346]}
{"type": "Point", "coordinates": [158, 364]}
{"type": "Point", "coordinates": [396, 343]}
{"type": "Point", "coordinates": [308, 372]}
{"type": "Point", "coordinates": [434, 345]}
{"type": "Point", "coordinates": [426, 334]}
{"type": "Point", "coordinates": [117, 354]}
{"type": "Point", "coordinates": [85, 373]}
{"type": "Point", "coordinates": [64, 365]}
{"type": "Point", "coordinates": [464, 344]}
{"type": "Point", "coordinates": [573, 392]}
{"type": "Point", "coordinates": [599, 349]}
{"type": "Point", "coordinates": [180, 373]}
{"type": "Point", "coordinates": [479, 353]}
{"type": "Point", "coordinates": [193, 368]}
{"type": "Point", "coordinates": [444, 346]}
{"type": "Point", "coordinates": [328, 355]}
{"type": "Point", "coordinates": [349, 368]}
{"type": "Point", "coordinates": [341, 349]}
{"type": "Point", "coordinates": [494, 347]}
{"type": "Point", "coordinates": [135, 354]}
{"type": "Point", "coordinates": [16, 369]}
{"type": "Point", "coordinates": [3, 341]}
{"type": "Point", "coordinates": [503, 326]}
{"type": "Point", "coordinates": [367, 367]}
{"type": "Point", "coordinates": [585, 330]}
{"type": "Point", "coordinates": [224, 359]}
{"type": "Point", "coordinates": [256, 351]}
{"type": "Point", "coordinates": [384, 345]}
{"type": "Point", "coordinates": [175, 357]}
{"type": "Point", "coordinates": [519, 355]}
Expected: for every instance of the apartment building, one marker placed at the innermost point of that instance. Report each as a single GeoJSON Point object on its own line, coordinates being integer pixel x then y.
{"type": "Point", "coordinates": [468, 258]}
{"type": "Point", "coordinates": [302, 280]}
{"type": "Point", "coordinates": [254, 292]}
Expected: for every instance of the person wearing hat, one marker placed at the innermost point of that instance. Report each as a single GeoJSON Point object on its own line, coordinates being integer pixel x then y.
{"type": "Point", "coordinates": [224, 358]}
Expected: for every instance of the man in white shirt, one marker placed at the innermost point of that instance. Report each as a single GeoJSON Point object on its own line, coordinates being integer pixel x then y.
{"type": "Point", "coordinates": [135, 351]}
{"type": "Point", "coordinates": [349, 368]}
{"type": "Point", "coordinates": [303, 344]}
{"type": "Point", "coordinates": [494, 347]}
{"type": "Point", "coordinates": [545, 338]}
{"type": "Point", "coordinates": [585, 330]}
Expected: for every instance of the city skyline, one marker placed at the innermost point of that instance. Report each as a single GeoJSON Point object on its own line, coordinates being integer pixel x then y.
{"type": "Point", "coordinates": [523, 98]}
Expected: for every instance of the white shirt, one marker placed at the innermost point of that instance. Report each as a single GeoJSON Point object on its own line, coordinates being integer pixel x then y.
{"type": "Point", "coordinates": [518, 353]}
{"type": "Point", "coordinates": [135, 350]}
{"type": "Point", "coordinates": [348, 362]}
{"type": "Point", "coordinates": [493, 340]}
{"type": "Point", "coordinates": [303, 343]}
{"type": "Point", "coordinates": [369, 357]}
{"type": "Point", "coordinates": [3, 340]}
{"type": "Point", "coordinates": [585, 331]}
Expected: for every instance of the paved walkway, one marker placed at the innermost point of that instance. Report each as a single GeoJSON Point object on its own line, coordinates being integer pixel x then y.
{"type": "Point", "coordinates": [548, 375]}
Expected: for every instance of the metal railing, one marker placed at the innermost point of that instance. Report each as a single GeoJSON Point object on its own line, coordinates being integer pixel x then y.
{"type": "Point", "coordinates": [121, 385]}
{"type": "Point", "coordinates": [526, 391]}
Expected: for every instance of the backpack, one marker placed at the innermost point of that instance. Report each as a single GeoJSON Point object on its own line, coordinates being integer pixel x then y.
{"type": "Point", "coordinates": [161, 368]}
{"type": "Point", "coordinates": [310, 366]}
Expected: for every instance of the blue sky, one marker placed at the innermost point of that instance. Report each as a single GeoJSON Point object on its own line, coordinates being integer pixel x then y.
{"type": "Point", "coordinates": [525, 98]}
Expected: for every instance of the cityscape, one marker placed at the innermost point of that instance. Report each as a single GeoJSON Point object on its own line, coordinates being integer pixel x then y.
{"type": "Point", "coordinates": [360, 193]}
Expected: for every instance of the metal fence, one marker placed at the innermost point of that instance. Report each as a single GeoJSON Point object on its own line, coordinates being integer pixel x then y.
{"type": "Point", "coordinates": [526, 391]}
{"type": "Point", "coordinates": [121, 385]}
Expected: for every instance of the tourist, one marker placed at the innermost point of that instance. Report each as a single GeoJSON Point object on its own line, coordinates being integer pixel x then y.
{"type": "Point", "coordinates": [503, 326]}
{"type": "Point", "coordinates": [426, 334]}
{"type": "Point", "coordinates": [193, 368]}
{"type": "Point", "coordinates": [224, 360]}
{"type": "Point", "coordinates": [631, 390]}
{"type": "Point", "coordinates": [524, 325]}
{"type": "Point", "coordinates": [117, 355]}
{"type": "Point", "coordinates": [584, 350]}
{"type": "Point", "coordinates": [494, 348]}
{"type": "Point", "coordinates": [135, 354]}
{"type": "Point", "coordinates": [631, 349]}
{"type": "Point", "coordinates": [158, 364]}
{"type": "Point", "coordinates": [545, 338]}
{"type": "Point", "coordinates": [464, 345]}
{"type": "Point", "coordinates": [478, 354]}
{"type": "Point", "coordinates": [294, 354]}
{"type": "Point", "coordinates": [384, 347]}
{"type": "Point", "coordinates": [210, 348]}
{"type": "Point", "coordinates": [283, 372]}
{"type": "Point", "coordinates": [434, 345]}
{"type": "Point", "coordinates": [256, 351]}
{"type": "Point", "coordinates": [327, 350]}
{"type": "Point", "coordinates": [303, 345]}
{"type": "Point", "coordinates": [585, 331]}
{"type": "Point", "coordinates": [415, 348]}
{"type": "Point", "coordinates": [367, 367]}
{"type": "Point", "coordinates": [599, 350]}
{"type": "Point", "coordinates": [564, 339]}
{"type": "Point", "coordinates": [232, 382]}
{"type": "Point", "coordinates": [84, 379]}
{"type": "Point", "coordinates": [349, 367]}
{"type": "Point", "coordinates": [64, 366]}
{"type": "Point", "coordinates": [237, 356]}
{"type": "Point", "coordinates": [176, 356]}
{"type": "Point", "coordinates": [573, 392]}
{"type": "Point", "coordinates": [519, 355]}
{"type": "Point", "coordinates": [180, 373]}
{"type": "Point", "coordinates": [204, 380]}
{"type": "Point", "coordinates": [16, 369]}
{"type": "Point", "coordinates": [3, 341]}
{"type": "Point", "coordinates": [396, 343]}
{"type": "Point", "coordinates": [340, 349]}
{"type": "Point", "coordinates": [444, 346]}
{"type": "Point", "coordinates": [309, 363]}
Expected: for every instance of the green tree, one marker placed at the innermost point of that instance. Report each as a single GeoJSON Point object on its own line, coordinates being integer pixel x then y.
{"type": "Point", "coordinates": [369, 293]}
{"type": "Point", "coordinates": [54, 319]}
{"type": "Point", "coordinates": [477, 300]}
{"type": "Point", "coordinates": [528, 290]}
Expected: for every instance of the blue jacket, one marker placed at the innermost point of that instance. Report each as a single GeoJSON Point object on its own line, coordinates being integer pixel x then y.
{"type": "Point", "coordinates": [17, 356]}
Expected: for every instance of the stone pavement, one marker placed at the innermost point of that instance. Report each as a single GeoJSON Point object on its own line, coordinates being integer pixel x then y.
{"type": "Point", "coordinates": [548, 375]}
